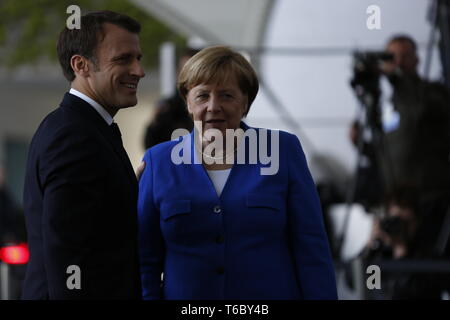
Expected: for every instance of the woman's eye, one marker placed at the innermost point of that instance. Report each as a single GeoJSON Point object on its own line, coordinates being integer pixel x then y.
{"type": "Point", "coordinates": [202, 96]}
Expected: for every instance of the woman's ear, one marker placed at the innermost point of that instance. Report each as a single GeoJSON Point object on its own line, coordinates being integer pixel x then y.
{"type": "Point", "coordinates": [244, 114]}
{"type": "Point", "coordinates": [191, 115]}
{"type": "Point", "coordinates": [188, 105]}
{"type": "Point", "coordinates": [245, 111]}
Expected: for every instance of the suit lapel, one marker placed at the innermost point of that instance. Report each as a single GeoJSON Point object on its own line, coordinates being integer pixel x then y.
{"type": "Point", "coordinates": [90, 114]}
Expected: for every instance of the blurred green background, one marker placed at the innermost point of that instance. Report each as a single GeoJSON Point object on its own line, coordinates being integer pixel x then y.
{"type": "Point", "coordinates": [29, 29]}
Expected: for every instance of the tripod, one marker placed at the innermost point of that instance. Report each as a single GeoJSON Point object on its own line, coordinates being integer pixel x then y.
{"type": "Point", "coordinates": [367, 90]}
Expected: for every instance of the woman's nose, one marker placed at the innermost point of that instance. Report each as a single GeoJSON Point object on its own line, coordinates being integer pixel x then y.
{"type": "Point", "coordinates": [214, 104]}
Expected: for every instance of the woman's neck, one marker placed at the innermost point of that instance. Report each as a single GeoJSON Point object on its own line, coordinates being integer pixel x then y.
{"type": "Point", "coordinates": [215, 166]}
{"type": "Point", "coordinates": [215, 156]}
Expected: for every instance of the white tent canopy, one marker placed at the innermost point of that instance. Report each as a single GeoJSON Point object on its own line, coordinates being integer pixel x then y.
{"type": "Point", "coordinates": [306, 63]}
{"type": "Point", "coordinates": [235, 23]}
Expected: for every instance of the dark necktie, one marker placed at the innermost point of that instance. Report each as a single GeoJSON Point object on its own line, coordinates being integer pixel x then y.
{"type": "Point", "coordinates": [122, 153]}
{"type": "Point", "coordinates": [116, 132]}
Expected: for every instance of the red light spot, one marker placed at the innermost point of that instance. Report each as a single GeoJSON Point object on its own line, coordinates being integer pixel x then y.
{"type": "Point", "coordinates": [15, 254]}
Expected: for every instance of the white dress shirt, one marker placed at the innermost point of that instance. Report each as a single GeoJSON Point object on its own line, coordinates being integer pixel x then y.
{"type": "Point", "coordinates": [105, 115]}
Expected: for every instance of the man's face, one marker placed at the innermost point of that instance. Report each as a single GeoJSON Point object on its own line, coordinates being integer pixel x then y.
{"type": "Point", "coordinates": [113, 80]}
{"type": "Point", "coordinates": [405, 57]}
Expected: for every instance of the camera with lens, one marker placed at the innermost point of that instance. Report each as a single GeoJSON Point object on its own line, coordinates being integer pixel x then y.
{"type": "Point", "coordinates": [394, 226]}
{"type": "Point", "coordinates": [366, 83]}
{"type": "Point", "coordinates": [366, 67]}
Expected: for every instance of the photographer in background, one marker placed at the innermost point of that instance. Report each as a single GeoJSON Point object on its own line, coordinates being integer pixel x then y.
{"type": "Point", "coordinates": [409, 164]}
{"type": "Point", "coordinates": [393, 235]}
{"type": "Point", "coordinates": [404, 233]}
{"type": "Point", "coordinates": [415, 145]}
{"type": "Point", "coordinates": [417, 151]}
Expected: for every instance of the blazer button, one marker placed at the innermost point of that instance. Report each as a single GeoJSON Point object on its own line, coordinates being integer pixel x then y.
{"type": "Point", "coordinates": [219, 239]}
{"type": "Point", "coordinates": [217, 209]}
{"type": "Point", "coordinates": [220, 270]}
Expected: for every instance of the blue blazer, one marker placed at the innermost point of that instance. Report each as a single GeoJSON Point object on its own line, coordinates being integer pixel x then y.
{"type": "Point", "coordinates": [263, 238]}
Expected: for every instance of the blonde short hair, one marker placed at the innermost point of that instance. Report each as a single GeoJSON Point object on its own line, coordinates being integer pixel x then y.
{"type": "Point", "coordinates": [217, 65]}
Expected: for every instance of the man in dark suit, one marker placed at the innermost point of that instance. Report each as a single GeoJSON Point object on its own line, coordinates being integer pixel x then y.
{"type": "Point", "coordinates": [80, 189]}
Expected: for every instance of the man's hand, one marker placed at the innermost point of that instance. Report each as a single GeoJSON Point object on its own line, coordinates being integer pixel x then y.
{"type": "Point", "coordinates": [139, 170]}
{"type": "Point", "coordinates": [388, 68]}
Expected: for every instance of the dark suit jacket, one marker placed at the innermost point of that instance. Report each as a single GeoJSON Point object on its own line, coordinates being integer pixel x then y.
{"type": "Point", "coordinates": [80, 207]}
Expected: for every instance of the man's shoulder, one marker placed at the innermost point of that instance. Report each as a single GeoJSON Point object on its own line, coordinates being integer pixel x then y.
{"type": "Point", "coordinates": [59, 118]}
{"type": "Point", "coordinates": [435, 89]}
{"type": "Point", "coordinates": [437, 98]}
{"type": "Point", "coordinates": [435, 85]}
{"type": "Point", "coordinates": [72, 112]}
{"type": "Point", "coordinates": [63, 123]}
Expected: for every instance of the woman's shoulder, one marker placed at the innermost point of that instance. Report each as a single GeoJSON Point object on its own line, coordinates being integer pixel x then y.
{"type": "Point", "coordinates": [284, 137]}
{"type": "Point", "coordinates": [162, 149]}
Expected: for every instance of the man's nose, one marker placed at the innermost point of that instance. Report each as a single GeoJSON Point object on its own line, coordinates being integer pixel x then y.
{"type": "Point", "coordinates": [137, 69]}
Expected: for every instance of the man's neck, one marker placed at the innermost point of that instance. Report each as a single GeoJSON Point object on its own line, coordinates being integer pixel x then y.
{"type": "Point", "coordinates": [79, 87]}
{"type": "Point", "coordinates": [102, 111]}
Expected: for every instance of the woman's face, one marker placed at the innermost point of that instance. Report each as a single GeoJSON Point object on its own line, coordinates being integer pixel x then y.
{"type": "Point", "coordinates": [219, 106]}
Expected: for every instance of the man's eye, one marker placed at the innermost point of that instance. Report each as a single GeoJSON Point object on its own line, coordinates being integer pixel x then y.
{"type": "Point", "coordinates": [122, 59]}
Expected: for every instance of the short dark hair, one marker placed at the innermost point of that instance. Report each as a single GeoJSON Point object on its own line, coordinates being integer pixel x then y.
{"type": "Point", "coordinates": [403, 38]}
{"type": "Point", "coordinates": [84, 41]}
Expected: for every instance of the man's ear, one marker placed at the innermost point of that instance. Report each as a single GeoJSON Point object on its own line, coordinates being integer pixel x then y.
{"type": "Point", "coordinates": [80, 65]}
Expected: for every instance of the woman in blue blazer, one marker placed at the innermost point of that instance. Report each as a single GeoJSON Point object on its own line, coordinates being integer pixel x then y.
{"type": "Point", "coordinates": [215, 223]}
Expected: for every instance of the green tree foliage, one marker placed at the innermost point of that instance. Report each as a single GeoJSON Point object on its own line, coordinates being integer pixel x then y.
{"type": "Point", "coordinates": [29, 29]}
